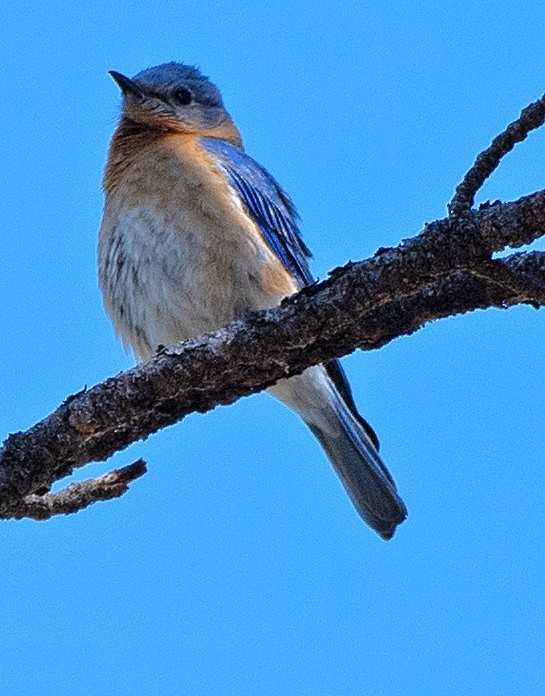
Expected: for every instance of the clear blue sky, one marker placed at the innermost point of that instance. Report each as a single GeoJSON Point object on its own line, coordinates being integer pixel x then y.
{"type": "Point", "coordinates": [237, 565]}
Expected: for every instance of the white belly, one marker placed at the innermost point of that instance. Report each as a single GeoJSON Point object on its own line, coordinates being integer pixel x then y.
{"type": "Point", "coordinates": [162, 284]}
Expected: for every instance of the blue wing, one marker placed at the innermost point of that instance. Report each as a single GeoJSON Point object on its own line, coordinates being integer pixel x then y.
{"type": "Point", "coordinates": [274, 212]}
{"type": "Point", "coordinates": [270, 206]}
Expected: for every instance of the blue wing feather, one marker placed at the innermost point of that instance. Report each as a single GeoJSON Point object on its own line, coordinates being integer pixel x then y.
{"type": "Point", "coordinates": [270, 206]}
{"type": "Point", "coordinates": [273, 210]}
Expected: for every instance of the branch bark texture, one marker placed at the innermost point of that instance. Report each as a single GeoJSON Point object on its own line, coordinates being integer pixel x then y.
{"type": "Point", "coordinates": [447, 269]}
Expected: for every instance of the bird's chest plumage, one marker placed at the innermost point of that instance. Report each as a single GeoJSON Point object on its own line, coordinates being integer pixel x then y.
{"type": "Point", "coordinates": [178, 255]}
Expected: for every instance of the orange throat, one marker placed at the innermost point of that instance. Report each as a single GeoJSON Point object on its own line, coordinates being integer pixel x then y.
{"type": "Point", "coordinates": [131, 140]}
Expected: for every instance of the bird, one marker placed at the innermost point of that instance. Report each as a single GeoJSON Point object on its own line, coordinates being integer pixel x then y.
{"type": "Point", "coordinates": [195, 233]}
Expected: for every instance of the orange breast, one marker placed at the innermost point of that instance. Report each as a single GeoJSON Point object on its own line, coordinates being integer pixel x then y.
{"type": "Point", "coordinates": [197, 259]}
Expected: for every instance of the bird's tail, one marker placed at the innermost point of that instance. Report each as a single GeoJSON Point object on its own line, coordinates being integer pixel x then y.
{"type": "Point", "coordinates": [346, 440]}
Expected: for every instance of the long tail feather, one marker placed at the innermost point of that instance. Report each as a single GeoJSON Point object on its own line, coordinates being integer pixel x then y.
{"type": "Point", "coordinates": [364, 475]}
{"type": "Point", "coordinates": [349, 442]}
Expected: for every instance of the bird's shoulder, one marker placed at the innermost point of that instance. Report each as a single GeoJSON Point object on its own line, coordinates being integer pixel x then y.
{"type": "Point", "coordinates": [267, 203]}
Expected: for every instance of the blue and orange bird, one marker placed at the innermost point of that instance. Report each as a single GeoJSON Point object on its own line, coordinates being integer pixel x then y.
{"type": "Point", "coordinates": [196, 233]}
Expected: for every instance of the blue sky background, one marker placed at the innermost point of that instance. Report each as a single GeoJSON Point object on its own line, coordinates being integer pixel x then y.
{"type": "Point", "coordinates": [237, 565]}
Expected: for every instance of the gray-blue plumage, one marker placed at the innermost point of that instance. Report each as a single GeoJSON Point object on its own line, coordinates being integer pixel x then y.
{"type": "Point", "coordinates": [162, 78]}
{"type": "Point", "coordinates": [268, 204]}
{"type": "Point", "coordinates": [354, 451]}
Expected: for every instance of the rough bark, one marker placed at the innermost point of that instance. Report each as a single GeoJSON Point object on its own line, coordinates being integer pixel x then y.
{"type": "Point", "coordinates": [447, 269]}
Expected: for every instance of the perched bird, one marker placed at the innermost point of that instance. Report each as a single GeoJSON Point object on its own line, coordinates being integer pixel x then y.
{"type": "Point", "coordinates": [196, 233]}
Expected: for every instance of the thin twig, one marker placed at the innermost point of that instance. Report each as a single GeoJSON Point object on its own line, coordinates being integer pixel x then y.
{"type": "Point", "coordinates": [80, 495]}
{"type": "Point", "coordinates": [530, 118]}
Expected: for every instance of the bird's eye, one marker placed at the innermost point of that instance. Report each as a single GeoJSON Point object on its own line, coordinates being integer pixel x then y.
{"type": "Point", "coordinates": [183, 96]}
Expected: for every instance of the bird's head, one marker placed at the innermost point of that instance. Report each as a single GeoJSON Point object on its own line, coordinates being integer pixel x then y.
{"type": "Point", "coordinates": [176, 98]}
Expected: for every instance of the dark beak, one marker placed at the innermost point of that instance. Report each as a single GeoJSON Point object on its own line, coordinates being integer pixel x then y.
{"type": "Point", "coordinates": [126, 85]}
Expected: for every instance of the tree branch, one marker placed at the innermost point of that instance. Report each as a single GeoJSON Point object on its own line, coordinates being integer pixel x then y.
{"type": "Point", "coordinates": [531, 117]}
{"type": "Point", "coordinates": [80, 495]}
{"type": "Point", "coordinates": [446, 270]}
